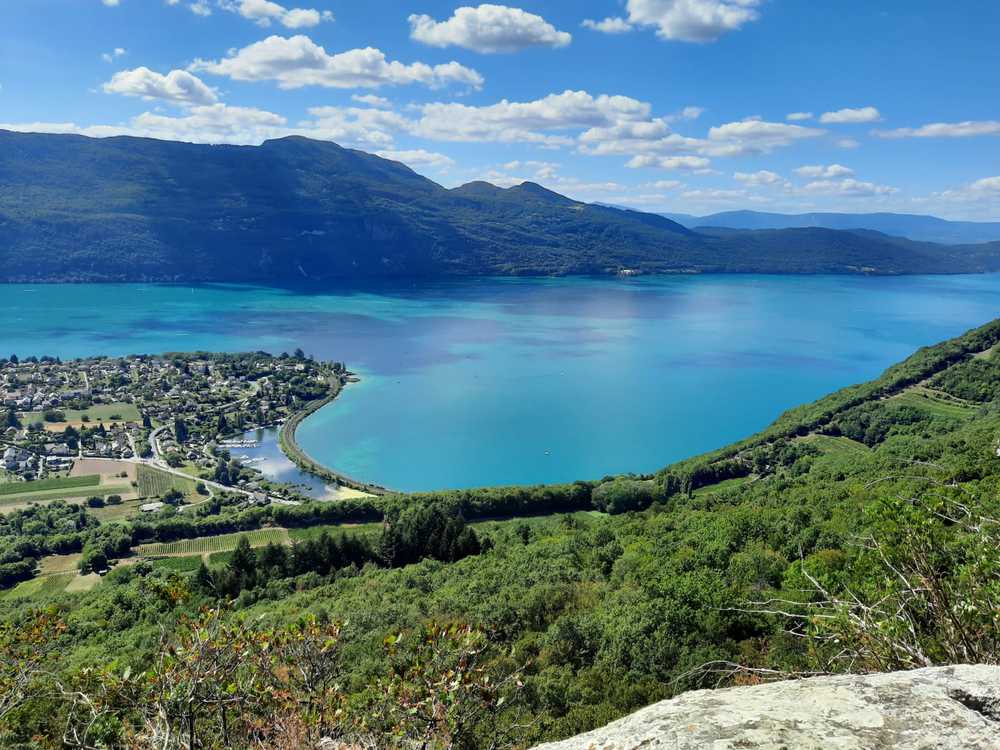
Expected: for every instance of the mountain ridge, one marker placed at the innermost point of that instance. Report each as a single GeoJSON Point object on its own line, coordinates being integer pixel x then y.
{"type": "Point", "coordinates": [74, 208]}
{"type": "Point", "coordinates": [919, 227]}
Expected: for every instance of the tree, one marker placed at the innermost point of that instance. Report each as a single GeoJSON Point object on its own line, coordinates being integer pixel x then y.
{"type": "Point", "coordinates": [180, 430]}
{"type": "Point", "coordinates": [11, 419]}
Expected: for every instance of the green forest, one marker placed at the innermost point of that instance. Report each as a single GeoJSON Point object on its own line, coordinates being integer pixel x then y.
{"type": "Point", "coordinates": [857, 533]}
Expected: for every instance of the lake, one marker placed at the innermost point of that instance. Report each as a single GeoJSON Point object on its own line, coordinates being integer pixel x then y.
{"type": "Point", "coordinates": [504, 381]}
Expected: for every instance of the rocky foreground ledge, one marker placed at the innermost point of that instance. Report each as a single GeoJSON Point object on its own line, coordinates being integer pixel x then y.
{"type": "Point", "coordinates": [939, 708]}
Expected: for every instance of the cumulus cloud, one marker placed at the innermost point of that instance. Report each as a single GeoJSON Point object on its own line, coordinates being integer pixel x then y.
{"type": "Point", "coordinates": [264, 12]}
{"type": "Point", "coordinates": [849, 188]}
{"type": "Point", "coordinates": [966, 129]}
{"type": "Point", "coordinates": [297, 61]}
{"type": "Point", "coordinates": [611, 25]}
{"type": "Point", "coordinates": [798, 116]}
{"type": "Point", "coordinates": [488, 29]}
{"type": "Point", "coordinates": [548, 175]}
{"type": "Point", "coordinates": [214, 123]}
{"type": "Point", "coordinates": [851, 116]}
{"type": "Point", "coordinates": [692, 20]}
{"type": "Point", "coordinates": [824, 171]}
{"type": "Point", "coordinates": [532, 121]}
{"type": "Point", "coordinates": [755, 136]}
{"type": "Point", "coordinates": [981, 197]}
{"type": "Point", "coordinates": [760, 178]}
{"type": "Point", "coordinates": [692, 163]}
{"type": "Point", "coordinates": [117, 52]}
{"type": "Point", "coordinates": [372, 100]}
{"type": "Point", "coordinates": [177, 86]}
{"type": "Point", "coordinates": [419, 158]}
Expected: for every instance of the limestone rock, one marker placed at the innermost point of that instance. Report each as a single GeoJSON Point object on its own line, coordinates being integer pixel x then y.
{"type": "Point", "coordinates": [939, 708]}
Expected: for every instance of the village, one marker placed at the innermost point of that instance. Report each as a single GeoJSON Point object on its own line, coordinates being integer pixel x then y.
{"type": "Point", "coordinates": [172, 411]}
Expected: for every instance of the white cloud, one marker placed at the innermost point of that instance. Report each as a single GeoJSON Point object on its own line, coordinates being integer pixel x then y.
{"type": "Point", "coordinates": [117, 52]}
{"type": "Point", "coordinates": [824, 171]}
{"type": "Point", "coordinates": [264, 12]}
{"type": "Point", "coordinates": [111, 3]}
{"type": "Point", "coordinates": [851, 116]}
{"type": "Point", "coordinates": [488, 29]}
{"type": "Point", "coordinates": [966, 129]}
{"type": "Point", "coordinates": [755, 137]}
{"type": "Point", "coordinates": [981, 197]}
{"type": "Point", "coordinates": [372, 100]}
{"type": "Point", "coordinates": [760, 178]}
{"type": "Point", "coordinates": [215, 123]}
{"type": "Point", "coordinates": [664, 185]}
{"type": "Point", "coordinates": [198, 7]}
{"type": "Point", "coordinates": [297, 61]}
{"type": "Point", "coordinates": [611, 25]}
{"type": "Point", "coordinates": [847, 143]}
{"type": "Point", "coordinates": [849, 188]}
{"type": "Point", "coordinates": [547, 174]}
{"type": "Point", "coordinates": [358, 126]}
{"type": "Point", "coordinates": [798, 116]}
{"type": "Point", "coordinates": [532, 121]}
{"type": "Point", "coordinates": [419, 158]}
{"type": "Point", "coordinates": [692, 20]}
{"type": "Point", "coordinates": [668, 162]}
{"type": "Point", "coordinates": [177, 86]}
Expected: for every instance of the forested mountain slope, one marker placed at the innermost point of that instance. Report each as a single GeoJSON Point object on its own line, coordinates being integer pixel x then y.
{"type": "Point", "coordinates": [130, 209]}
{"type": "Point", "coordinates": [857, 533]}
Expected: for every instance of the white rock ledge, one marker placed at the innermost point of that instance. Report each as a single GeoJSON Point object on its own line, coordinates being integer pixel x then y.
{"type": "Point", "coordinates": [938, 708]}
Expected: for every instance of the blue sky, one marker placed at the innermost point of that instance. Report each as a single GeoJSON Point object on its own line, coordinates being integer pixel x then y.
{"type": "Point", "coordinates": [664, 105]}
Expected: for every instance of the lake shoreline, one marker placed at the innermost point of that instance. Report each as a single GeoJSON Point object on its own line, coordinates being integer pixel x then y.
{"type": "Point", "coordinates": [297, 455]}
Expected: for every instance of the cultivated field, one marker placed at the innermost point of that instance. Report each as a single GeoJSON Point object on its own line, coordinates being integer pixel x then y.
{"type": "Point", "coordinates": [208, 544]}
{"type": "Point", "coordinates": [935, 402]}
{"type": "Point", "coordinates": [156, 483]}
{"type": "Point", "coordinates": [57, 483]}
{"type": "Point", "coordinates": [99, 413]}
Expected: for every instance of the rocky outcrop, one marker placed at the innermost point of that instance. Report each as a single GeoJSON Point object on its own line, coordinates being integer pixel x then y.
{"type": "Point", "coordinates": [940, 708]}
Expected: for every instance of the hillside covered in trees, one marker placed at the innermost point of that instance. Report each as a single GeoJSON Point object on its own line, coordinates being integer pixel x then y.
{"type": "Point", "coordinates": [857, 533]}
{"type": "Point", "coordinates": [294, 210]}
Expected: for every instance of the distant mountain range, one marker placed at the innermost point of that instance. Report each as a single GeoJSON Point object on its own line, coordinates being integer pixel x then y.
{"type": "Point", "coordinates": [132, 209]}
{"type": "Point", "coordinates": [912, 226]}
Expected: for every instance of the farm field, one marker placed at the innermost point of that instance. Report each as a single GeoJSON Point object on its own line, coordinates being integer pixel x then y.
{"type": "Point", "coordinates": [41, 586]}
{"type": "Point", "coordinates": [58, 483]}
{"type": "Point", "coordinates": [209, 544]}
{"type": "Point", "coordinates": [11, 503]}
{"type": "Point", "coordinates": [156, 483]}
{"type": "Point", "coordinates": [831, 444]}
{"type": "Point", "coordinates": [935, 403]}
{"type": "Point", "coordinates": [106, 413]}
{"type": "Point", "coordinates": [59, 564]}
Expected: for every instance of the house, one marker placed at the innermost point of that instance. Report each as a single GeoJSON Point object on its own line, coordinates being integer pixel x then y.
{"type": "Point", "coordinates": [152, 507]}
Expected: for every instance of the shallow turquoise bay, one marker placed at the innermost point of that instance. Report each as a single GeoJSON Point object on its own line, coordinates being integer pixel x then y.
{"type": "Point", "coordinates": [508, 381]}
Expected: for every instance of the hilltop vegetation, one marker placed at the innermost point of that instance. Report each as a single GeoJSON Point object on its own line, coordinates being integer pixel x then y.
{"type": "Point", "coordinates": [856, 533]}
{"type": "Point", "coordinates": [130, 209]}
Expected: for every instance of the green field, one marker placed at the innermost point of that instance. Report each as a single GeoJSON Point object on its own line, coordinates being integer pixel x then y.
{"type": "Point", "coordinates": [726, 484]}
{"type": "Point", "coordinates": [209, 544]}
{"type": "Point", "coordinates": [58, 483]}
{"type": "Point", "coordinates": [9, 501]}
{"type": "Point", "coordinates": [97, 413]}
{"type": "Point", "coordinates": [311, 532]}
{"type": "Point", "coordinates": [933, 402]}
{"type": "Point", "coordinates": [830, 444]}
{"type": "Point", "coordinates": [40, 587]}
{"type": "Point", "coordinates": [156, 483]}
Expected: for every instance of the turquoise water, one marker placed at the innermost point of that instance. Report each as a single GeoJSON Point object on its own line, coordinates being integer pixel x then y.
{"type": "Point", "coordinates": [539, 380]}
